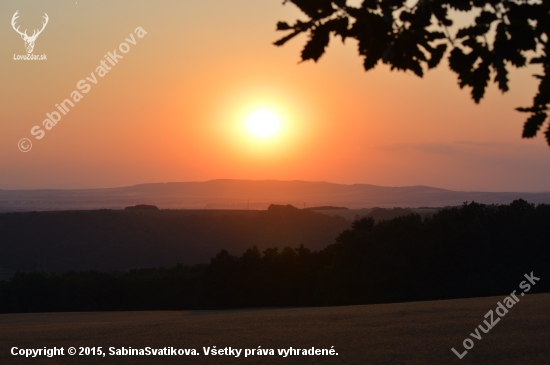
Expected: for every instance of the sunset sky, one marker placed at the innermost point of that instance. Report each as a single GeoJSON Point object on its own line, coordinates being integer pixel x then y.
{"type": "Point", "coordinates": [177, 106]}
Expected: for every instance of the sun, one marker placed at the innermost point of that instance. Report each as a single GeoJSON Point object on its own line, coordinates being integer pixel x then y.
{"type": "Point", "coordinates": [263, 123]}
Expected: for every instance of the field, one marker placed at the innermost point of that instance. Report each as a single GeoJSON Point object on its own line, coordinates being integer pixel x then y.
{"type": "Point", "coordinates": [417, 333]}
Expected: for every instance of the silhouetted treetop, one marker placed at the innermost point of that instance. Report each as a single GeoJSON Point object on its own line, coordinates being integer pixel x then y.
{"type": "Point", "coordinates": [416, 36]}
{"type": "Point", "coordinates": [363, 224]}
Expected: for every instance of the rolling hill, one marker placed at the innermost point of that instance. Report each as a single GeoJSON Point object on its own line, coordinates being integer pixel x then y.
{"type": "Point", "coordinates": [248, 194]}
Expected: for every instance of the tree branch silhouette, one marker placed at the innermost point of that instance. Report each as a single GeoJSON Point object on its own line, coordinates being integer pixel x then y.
{"type": "Point", "coordinates": [505, 33]}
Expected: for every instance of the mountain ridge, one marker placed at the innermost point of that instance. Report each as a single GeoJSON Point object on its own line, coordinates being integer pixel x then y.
{"type": "Point", "coordinates": [252, 194]}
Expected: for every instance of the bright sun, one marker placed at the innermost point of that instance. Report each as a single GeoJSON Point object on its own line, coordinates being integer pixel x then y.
{"type": "Point", "coordinates": [263, 123]}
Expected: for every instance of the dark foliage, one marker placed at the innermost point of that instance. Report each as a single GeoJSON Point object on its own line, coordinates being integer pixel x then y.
{"type": "Point", "coordinates": [380, 214]}
{"type": "Point", "coordinates": [363, 224]}
{"type": "Point", "coordinates": [469, 251]}
{"type": "Point", "coordinates": [416, 37]}
{"type": "Point", "coordinates": [144, 289]}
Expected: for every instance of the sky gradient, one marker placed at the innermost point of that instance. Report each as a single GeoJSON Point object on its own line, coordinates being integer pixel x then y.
{"type": "Point", "coordinates": [174, 107]}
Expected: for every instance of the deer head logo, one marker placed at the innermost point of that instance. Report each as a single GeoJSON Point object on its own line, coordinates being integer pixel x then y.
{"type": "Point", "coordinates": [29, 40]}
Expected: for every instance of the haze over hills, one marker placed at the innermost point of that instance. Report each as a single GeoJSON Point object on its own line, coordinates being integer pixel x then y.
{"type": "Point", "coordinates": [109, 240]}
{"type": "Point", "coordinates": [243, 194]}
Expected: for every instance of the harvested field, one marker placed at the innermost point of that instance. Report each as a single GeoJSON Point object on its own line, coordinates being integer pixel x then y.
{"type": "Point", "coordinates": [416, 333]}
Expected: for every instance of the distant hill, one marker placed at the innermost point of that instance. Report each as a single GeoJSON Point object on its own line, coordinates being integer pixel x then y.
{"type": "Point", "coordinates": [142, 207]}
{"type": "Point", "coordinates": [108, 240]}
{"type": "Point", "coordinates": [249, 194]}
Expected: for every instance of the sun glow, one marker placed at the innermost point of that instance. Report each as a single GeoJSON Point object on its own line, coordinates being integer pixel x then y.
{"type": "Point", "coordinates": [263, 123]}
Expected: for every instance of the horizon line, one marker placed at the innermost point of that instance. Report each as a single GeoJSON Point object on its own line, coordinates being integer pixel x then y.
{"type": "Point", "coordinates": [273, 180]}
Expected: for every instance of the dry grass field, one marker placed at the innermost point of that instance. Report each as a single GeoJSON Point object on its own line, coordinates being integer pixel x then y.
{"type": "Point", "coordinates": [418, 333]}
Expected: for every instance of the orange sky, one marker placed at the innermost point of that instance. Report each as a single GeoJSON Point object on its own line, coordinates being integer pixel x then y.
{"type": "Point", "coordinates": [173, 109]}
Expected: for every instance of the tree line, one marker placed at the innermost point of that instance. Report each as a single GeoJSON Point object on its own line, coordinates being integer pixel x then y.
{"type": "Point", "coordinates": [468, 251]}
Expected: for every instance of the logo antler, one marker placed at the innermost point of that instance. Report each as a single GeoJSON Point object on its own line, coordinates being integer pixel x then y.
{"type": "Point", "coordinates": [29, 41]}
